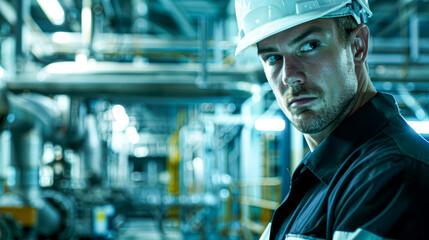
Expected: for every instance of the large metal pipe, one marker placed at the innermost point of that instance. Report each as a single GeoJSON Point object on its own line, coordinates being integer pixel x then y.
{"type": "Point", "coordinates": [26, 154]}
{"type": "Point", "coordinates": [32, 117]}
{"type": "Point", "coordinates": [152, 80]}
{"type": "Point", "coordinates": [87, 24]}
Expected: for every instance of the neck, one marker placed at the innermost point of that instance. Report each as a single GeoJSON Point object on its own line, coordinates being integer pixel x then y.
{"type": "Point", "coordinates": [313, 140]}
{"type": "Point", "coordinates": [365, 92]}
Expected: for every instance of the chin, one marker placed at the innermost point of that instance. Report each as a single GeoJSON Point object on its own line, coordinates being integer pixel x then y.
{"type": "Point", "coordinates": [309, 123]}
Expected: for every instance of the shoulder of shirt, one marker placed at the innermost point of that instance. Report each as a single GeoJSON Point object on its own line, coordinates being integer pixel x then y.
{"type": "Point", "coordinates": [405, 141]}
{"type": "Point", "coordinates": [396, 148]}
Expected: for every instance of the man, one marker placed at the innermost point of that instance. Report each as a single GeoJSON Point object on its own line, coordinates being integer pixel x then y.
{"type": "Point", "coordinates": [367, 174]}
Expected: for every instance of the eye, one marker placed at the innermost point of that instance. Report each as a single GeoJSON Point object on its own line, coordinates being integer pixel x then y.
{"type": "Point", "coordinates": [272, 58]}
{"type": "Point", "coordinates": [310, 46]}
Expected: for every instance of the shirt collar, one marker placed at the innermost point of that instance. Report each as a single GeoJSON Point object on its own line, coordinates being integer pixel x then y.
{"type": "Point", "coordinates": [349, 135]}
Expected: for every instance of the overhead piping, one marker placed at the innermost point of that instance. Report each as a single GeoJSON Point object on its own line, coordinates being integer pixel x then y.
{"type": "Point", "coordinates": [8, 12]}
{"type": "Point", "coordinates": [180, 16]}
{"type": "Point", "coordinates": [87, 23]}
{"type": "Point", "coordinates": [53, 11]}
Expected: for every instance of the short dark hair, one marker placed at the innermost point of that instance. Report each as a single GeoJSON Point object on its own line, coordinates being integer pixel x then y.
{"type": "Point", "coordinates": [345, 26]}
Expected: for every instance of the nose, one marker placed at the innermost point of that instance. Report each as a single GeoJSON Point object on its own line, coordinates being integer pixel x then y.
{"type": "Point", "coordinates": [292, 73]}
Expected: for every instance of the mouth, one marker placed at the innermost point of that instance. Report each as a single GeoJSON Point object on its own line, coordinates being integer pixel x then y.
{"type": "Point", "coordinates": [300, 101]}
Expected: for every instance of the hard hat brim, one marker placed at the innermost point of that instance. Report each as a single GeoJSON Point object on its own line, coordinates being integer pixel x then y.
{"type": "Point", "coordinates": [280, 25]}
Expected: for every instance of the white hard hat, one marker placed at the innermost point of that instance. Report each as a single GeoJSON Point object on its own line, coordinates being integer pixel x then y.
{"type": "Point", "coordinates": [259, 19]}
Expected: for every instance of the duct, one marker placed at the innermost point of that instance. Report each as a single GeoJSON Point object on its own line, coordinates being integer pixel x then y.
{"type": "Point", "coordinates": [30, 118]}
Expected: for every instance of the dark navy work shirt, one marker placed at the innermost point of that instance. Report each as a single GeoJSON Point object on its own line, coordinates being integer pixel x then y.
{"type": "Point", "coordinates": [369, 179]}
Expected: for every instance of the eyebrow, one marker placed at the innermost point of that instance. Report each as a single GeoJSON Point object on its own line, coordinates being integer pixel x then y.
{"type": "Point", "coordinates": [297, 39]}
{"type": "Point", "coordinates": [303, 35]}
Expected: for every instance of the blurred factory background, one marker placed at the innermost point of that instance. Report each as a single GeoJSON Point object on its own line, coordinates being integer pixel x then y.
{"type": "Point", "coordinates": [133, 119]}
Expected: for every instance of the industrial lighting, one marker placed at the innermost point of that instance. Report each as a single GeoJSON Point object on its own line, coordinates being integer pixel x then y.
{"type": "Point", "coordinates": [2, 72]}
{"type": "Point", "coordinates": [198, 164]}
{"type": "Point", "coordinates": [270, 124]}
{"type": "Point", "coordinates": [120, 117]}
{"type": "Point", "coordinates": [421, 127]}
{"type": "Point", "coordinates": [133, 135]}
{"type": "Point", "coordinates": [141, 152]}
{"type": "Point", "coordinates": [53, 11]}
{"type": "Point", "coordinates": [61, 37]}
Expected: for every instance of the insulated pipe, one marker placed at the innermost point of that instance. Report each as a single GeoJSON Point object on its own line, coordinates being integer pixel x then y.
{"type": "Point", "coordinates": [31, 117]}
{"type": "Point", "coordinates": [27, 152]}
{"type": "Point", "coordinates": [27, 110]}
{"type": "Point", "coordinates": [87, 24]}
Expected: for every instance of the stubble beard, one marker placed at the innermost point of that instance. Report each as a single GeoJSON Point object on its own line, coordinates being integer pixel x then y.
{"type": "Point", "coordinates": [316, 122]}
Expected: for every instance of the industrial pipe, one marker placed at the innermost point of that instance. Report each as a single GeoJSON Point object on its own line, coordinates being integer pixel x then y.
{"type": "Point", "coordinates": [30, 118]}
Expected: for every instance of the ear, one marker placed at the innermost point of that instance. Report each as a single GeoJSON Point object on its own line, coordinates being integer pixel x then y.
{"type": "Point", "coordinates": [359, 44]}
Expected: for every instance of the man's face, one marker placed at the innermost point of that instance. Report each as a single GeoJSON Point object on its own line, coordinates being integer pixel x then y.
{"type": "Point", "coordinates": [311, 72]}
